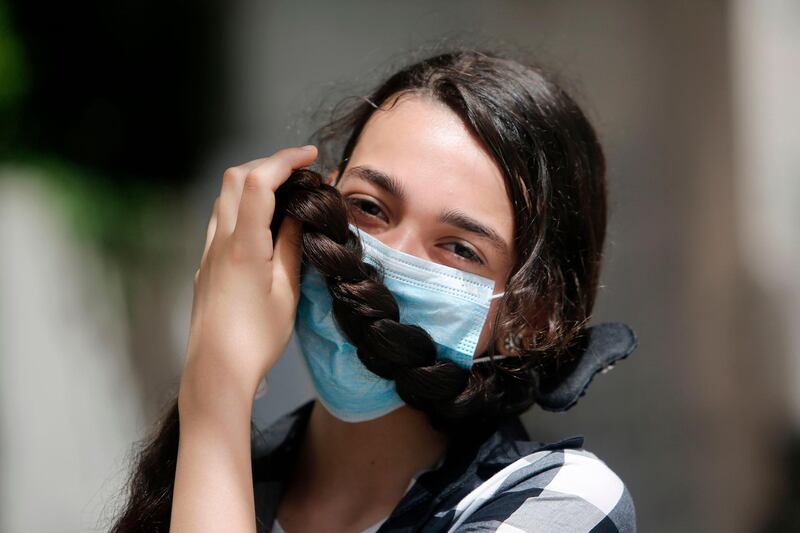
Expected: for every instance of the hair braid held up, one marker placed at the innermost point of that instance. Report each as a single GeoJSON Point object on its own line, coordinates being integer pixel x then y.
{"type": "Point", "coordinates": [368, 313]}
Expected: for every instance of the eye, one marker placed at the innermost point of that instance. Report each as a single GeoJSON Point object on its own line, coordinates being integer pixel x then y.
{"type": "Point", "coordinates": [470, 255]}
{"type": "Point", "coordinates": [370, 209]}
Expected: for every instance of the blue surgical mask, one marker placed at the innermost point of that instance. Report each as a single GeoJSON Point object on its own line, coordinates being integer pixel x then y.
{"type": "Point", "coordinates": [448, 303]}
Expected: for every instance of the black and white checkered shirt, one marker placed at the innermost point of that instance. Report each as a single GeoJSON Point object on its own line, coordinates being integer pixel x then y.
{"type": "Point", "coordinates": [506, 483]}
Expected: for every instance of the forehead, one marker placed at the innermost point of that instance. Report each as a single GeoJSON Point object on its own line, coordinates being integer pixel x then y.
{"type": "Point", "coordinates": [439, 161]}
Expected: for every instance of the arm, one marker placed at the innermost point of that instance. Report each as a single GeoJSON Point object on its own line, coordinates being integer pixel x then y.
{"type": "Point", "coordinates": [245, 300]}
{"type": "Point", "coordinates": [213, 478]}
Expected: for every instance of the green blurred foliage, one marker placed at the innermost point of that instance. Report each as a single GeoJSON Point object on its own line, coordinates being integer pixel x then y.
{"type": "Point", "coordinates": [109, 216]}
{"type": "Point", "coordinates": [14, 77]}
{"type": "Point", "coordinates": [122, 222]}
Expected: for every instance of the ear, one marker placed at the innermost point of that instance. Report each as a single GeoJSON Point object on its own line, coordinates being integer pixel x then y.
{"type": "Point", "coordinates": [515, 336]}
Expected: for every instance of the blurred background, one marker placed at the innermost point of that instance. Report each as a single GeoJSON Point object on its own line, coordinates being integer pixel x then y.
{"type": "Point", "coordinates": [117, 120]}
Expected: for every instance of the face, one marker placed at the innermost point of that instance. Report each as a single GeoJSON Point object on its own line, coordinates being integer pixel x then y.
{"type": "Point", "coordinates": [420, 181]}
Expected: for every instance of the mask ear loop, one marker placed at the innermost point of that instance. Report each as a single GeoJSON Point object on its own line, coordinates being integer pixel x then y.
{"type": "Point", "coordinates": [500, 356]}
{"type": "Point", "coordinates": [490, 358]}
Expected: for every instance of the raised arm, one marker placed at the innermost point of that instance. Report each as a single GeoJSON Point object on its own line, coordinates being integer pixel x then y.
{"type": "Point", "coordinates": [245, 298]}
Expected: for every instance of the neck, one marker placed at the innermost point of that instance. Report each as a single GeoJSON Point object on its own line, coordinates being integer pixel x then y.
{"type": "Point", "coordinates": [372, 461]}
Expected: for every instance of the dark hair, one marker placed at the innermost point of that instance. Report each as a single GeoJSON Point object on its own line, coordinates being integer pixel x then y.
{"type": "Point", "coordinates": [554, 171]}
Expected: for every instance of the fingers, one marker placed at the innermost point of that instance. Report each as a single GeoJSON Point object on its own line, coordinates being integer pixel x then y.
{"type": "Point", "coordinates": [230, 195]}
{"type": "Point", "coordinates": [257, 203]}
{"type": "Point", "coordinates": [212, 227]}
{"type": "Point", "coordinates": [288, 255]}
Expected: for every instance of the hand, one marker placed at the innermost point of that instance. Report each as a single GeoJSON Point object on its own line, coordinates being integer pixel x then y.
{"type": "Point", "coordinates": [245, 291]}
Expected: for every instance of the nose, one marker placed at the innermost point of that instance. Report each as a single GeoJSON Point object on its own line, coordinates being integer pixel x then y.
{"type": "Point", "coordinates": [406, 238]}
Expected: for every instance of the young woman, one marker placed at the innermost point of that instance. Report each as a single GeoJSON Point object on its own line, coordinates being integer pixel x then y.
{"type": "Point", "coordinates": [439, 280]}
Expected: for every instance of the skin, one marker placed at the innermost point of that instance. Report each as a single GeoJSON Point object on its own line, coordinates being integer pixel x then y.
{"type": "Point", "coordinates": [367, 465]}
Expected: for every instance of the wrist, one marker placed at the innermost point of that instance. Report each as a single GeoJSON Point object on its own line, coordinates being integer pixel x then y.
{"type": "Point", "coordinates": [210, 394]}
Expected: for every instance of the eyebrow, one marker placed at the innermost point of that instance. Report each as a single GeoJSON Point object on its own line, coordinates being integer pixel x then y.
{"type": "Point", "coordinates": [380, 179]}
{"type": "Point", "coordinates": [459, 219]}
{"type": "Point", "coordinates": [453, 217]}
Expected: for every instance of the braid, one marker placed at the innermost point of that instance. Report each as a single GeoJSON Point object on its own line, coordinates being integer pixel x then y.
{"type": "Point", "coordinates": [367, 312]}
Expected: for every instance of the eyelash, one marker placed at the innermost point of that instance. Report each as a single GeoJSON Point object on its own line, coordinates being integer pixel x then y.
{"type": "Point", "coordinates": [359, 202]}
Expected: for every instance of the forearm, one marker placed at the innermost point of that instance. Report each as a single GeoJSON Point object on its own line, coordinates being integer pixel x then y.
{"type": "Point", "coordinates": [213, 478]}
{"type": "Point", "coordinates": [245, 299]}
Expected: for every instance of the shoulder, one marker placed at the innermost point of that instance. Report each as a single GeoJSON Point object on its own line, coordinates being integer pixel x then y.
{"type": "Point", "coordinates": [551, 490]}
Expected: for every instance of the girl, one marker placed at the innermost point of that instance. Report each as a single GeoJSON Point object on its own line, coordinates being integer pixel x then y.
{"type": "Point", "coordinates": [439, 280]}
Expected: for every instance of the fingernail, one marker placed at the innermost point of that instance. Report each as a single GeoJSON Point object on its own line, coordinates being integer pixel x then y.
{"type": "Point", "coordinates": [308, 147]}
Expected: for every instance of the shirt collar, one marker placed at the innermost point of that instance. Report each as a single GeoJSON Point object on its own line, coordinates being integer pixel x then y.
{"type": "Point", "coordinates": [599, 349]}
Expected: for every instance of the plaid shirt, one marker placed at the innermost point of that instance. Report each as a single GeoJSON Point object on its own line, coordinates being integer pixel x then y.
{"type": "Point", "coordinates": [504, 483]}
